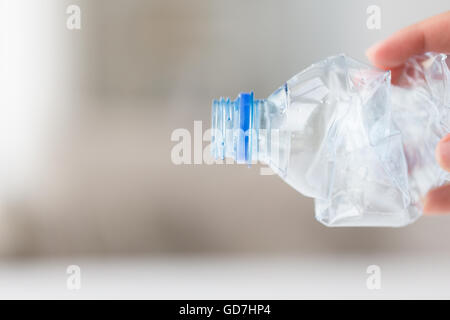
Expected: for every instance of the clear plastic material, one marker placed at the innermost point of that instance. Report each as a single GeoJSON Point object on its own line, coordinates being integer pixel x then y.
{"type": "Point", "coordinates": [340, 133]}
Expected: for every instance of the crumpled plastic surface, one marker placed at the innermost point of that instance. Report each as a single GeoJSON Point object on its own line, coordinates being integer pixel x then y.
{"type": "Point", "coordinates": [364, 149]}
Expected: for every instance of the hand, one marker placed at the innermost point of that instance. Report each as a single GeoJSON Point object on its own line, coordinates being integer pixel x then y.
{"type": "Point", "coordinates": [432, 34]}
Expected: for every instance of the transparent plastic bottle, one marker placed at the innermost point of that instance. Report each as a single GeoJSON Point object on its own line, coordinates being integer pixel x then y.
{"type": "Point", "coordinates": [340, 133]}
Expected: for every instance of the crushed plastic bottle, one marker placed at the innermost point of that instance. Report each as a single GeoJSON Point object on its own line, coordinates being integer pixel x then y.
{"type": "Point", "coordinates": [340, 133]}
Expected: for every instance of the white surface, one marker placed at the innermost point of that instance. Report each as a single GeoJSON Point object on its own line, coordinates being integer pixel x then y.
{"type": "Point", "coordinates": [257, 277]}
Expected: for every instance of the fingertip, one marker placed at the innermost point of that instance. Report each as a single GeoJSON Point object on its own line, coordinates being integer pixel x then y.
{"type": "Point", "coordinates": [427, 206]}
{"type": "Point", "coordinates": [443, 152]}
{"type": "Point", "coordinates": [375, 55]}
{"type": "Point", "coordinates": [380, 55]}
{"type": "Point", "coordinates": [371, 53]}
{"type": "Point", "coordinates": [437, 201]}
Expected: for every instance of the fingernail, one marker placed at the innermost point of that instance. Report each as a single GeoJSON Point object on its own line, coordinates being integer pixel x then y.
{"type": "Point", "coordinates": [443, 152]}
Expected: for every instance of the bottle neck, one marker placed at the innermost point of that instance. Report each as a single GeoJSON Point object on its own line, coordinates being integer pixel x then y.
{"type": "Point", "coordinates": [236, 128]}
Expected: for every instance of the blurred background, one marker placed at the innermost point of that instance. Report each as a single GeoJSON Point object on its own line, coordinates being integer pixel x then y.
{"type": "Point", "coordinates": [86, 175]}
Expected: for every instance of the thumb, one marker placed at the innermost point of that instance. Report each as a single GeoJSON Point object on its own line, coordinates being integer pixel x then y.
{"type": "Point", "coordinates": [438, 200]}
{"type": "Point", "coordinates": [443, 153]}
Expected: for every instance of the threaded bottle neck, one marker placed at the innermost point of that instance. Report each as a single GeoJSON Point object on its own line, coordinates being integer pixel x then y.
{"type": "Point", "coordinates": [235, 128]}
